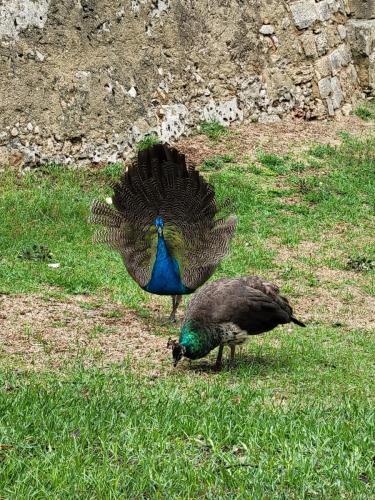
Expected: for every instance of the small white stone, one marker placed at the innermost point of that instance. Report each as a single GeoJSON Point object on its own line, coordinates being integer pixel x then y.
{"type": "Point", "coordinates": [29, 127]}
{"type": "Point", "coordinates": [54, 265]}
{"type": "Point", "coordinates": [267, 29]}
{"type": "Point", "coordinates": [14, 132]}
{"type": "Point", "coordinates": [109, 201]}
{"type": "Point", "coordinates": [347, 109]}
{"type": "Point", "coordinates": [39, 56]}
{"type": "Point", "coordinates": [342, 31]}
{"type": "Point", "coordinates": [132, 92]}
{"type": "Point", "coordinates": [36, 129]}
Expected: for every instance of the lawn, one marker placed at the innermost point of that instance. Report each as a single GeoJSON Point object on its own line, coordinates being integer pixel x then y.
{"type": "Point", "coordinates": [90, 406]}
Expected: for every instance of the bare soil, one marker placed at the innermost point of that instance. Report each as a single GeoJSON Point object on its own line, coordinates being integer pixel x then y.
{"type": "Point", "coordinates": [279, 138]}
{"type": "Point", "coordinates": [42, 333]}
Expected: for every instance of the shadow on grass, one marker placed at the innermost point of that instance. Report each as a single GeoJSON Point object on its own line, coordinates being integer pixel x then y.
{"type": "Point", "coordinates": [256, 364]}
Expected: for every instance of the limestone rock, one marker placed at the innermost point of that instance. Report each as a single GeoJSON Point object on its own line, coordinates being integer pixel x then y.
{"type": "Point", "coordinates": [304, 13]}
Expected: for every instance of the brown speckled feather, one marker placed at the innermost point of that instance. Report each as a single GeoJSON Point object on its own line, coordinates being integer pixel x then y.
{"type": "Point", "coordinates": [251, 303]}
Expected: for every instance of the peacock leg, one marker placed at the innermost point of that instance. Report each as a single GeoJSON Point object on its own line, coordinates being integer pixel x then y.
{"type": "Point", "coordinates": [232, 352]}
{"type": "Point", "coordinates": [219, 356]}
{"type": "Point", "coordinates": [176, 299]}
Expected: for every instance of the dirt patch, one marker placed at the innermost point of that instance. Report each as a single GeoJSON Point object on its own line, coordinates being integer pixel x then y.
{"type": "Point", "coordinates": [274, 138]}
{"type": "Point", "coordinates": [48, 333]}
{"type": "Point", "coordinates": [338, 296]}
{"type": "Point", "coordinates": [347, 306]}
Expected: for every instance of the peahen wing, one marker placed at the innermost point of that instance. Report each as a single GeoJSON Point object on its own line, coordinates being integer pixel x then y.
{"type": "Point", "coordinates": [235, 301]}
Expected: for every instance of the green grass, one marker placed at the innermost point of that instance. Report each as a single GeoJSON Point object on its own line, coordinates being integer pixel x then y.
{"type": "Point", "coordinates": [366, 111]}
{"type": "Point", "coordinates": [294, 419]}
{"type": "Point", "coordinates": [213, 129]}
{"type": "Point", "coordinates": [216, 162]}
{"type": "Point", "coordinates": [147, 141]}
{"type": "Point", "coordinates": [290, 422]}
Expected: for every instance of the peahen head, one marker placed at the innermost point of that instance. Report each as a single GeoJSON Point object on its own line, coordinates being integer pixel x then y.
{"type": "Point", "coordinates": [178, 350]}
{"type": "Point", "coordinates": [159, 224]}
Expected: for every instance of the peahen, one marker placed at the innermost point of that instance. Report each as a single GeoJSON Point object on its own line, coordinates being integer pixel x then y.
{"type": "Point", "coordinates": [164, 223]}
{"type": "Point", "coordinates": [226, 312]}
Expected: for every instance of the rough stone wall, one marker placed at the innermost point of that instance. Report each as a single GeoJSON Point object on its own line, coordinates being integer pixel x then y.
{"type": "Point", "coordinates": [83, 80]}
{"type": "Point", "coordinates": [361, 31]}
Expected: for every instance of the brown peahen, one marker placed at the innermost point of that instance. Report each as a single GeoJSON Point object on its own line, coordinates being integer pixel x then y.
{"type": "Point", "coordinates": [227, 312]}
{"type": "Point", "coordinates": [164, 223]}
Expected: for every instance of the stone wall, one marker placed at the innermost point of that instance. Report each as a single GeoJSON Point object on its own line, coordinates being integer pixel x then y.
{"type": "Point", "coordinates": [361, 31]}
{"type": "Point", "coordinates": [84, 80]}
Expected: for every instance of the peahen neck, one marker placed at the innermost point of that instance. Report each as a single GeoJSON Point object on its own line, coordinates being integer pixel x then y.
{"type": "Point", "coordinates": [165, 277]}
{"type": "Point", "coordinates": [198, 339]}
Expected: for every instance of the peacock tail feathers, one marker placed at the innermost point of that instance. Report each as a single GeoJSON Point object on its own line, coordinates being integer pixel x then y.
{"type": "Point", "coordinates": [160, 184]}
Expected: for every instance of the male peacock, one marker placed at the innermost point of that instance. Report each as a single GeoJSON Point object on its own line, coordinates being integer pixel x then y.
{"type": "Point", "coordinates": [164, 224]}
{"type": "Point", "coordinates": [226, 312]}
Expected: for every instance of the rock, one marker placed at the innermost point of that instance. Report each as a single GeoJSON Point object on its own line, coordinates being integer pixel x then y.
{"type": "Point", "coordinates": [304, 13]}
{"type": "Point", "coordinates": [132, 92]}
{"type": "Point", "coordinates": [361, 35]}
{"type": "Point", "coordinates": [338, 58]}
{"type": "Point", "coordinates": [39, 56]}
{"type": "Point", "coordinates": [267, 29]}
{"type": "Point", "coordinates": [347, 109]}
{"type": "Point", "coordinates": [341, 31]}
{"type": "Point", "coordinates": [362, 9]}
{"type": "Point", "coordinates": [321, 43]}
{"type": "Point", "coordinates": [336, 96]}
{"type": "Point", "coordinates": [14, 132]}
{"type": "Point", "coordinates": [322, 67]}
{"type": "Point", "coordinates": [308, 44]}
{"type": "Point", "coordinates": [324, 87]}
{"type": "Point", "coordinates": [331, 110]}
{"type": "Point", "coordinates": [29, 127]}
{"type": "Point", "coordinates": [265, 118]}
{"type": "Point", "coordinates": [323, 10]}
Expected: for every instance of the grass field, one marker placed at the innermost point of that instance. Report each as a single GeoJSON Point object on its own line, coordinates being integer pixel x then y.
{"type": "Point", "coordinates": [294, 419]}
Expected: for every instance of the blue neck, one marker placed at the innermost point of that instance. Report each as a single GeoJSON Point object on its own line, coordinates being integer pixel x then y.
{"type": "Point", "coordinates": [165, 277]}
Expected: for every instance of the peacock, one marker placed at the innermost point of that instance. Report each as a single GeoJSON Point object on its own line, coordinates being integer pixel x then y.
{"type": "Point", "coordinates": [165, 224]}
{"type": "Point", "coordinates": [226, 312]}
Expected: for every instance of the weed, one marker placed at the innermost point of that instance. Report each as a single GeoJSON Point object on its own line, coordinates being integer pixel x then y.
{"type": "Point", "coordinates": [112, 171]}
{"type": "Point", "coordinates": [360, 264]}
{"type": "Point", "coordinates": [35, 252]}
{"type": "Point", "coordinates": [322, 150]}
{"type": "Point", "coordinates": [216, 162]}
{"type": "Point", "coordinates": [366, 111]}
{"type": "Point", "coordinates": [276, 163]}
{"type": "Point", "coordinates": [213, 129]}
{"type": "Point", "coordinates": [148, 141]}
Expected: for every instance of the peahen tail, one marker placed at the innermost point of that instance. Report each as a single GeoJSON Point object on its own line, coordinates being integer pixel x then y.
{"type": "Point", "coordinates": [160, 184]}
{"type": "Point", "coordinates": [297, 322]}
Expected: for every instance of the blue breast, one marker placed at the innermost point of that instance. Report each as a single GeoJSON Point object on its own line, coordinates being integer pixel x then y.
{"type": "Point", "coordinates": [165, 277]}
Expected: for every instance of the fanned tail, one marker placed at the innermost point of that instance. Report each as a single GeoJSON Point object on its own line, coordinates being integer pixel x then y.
{"type": "Point", "coordinates": [160, 184]}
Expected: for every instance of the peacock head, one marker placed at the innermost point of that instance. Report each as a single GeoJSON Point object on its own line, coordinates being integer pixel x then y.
{"type": "Point", "coordinates": [178, 350]}
{"type": "Point", "coordinates": [159, 224]}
